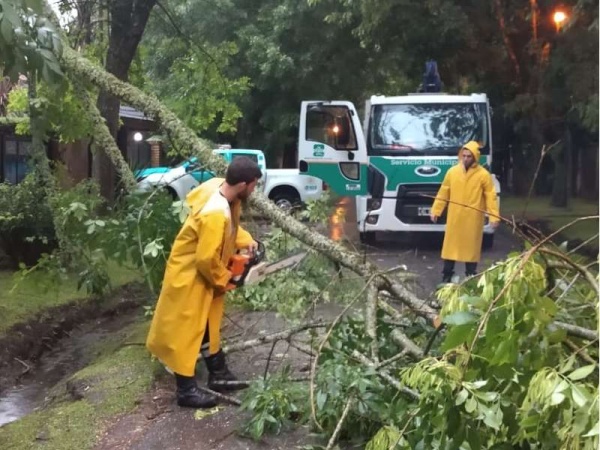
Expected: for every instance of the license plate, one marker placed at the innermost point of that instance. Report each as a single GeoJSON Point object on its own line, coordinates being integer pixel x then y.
{"type": "Point", "coordinates": [424, 211]}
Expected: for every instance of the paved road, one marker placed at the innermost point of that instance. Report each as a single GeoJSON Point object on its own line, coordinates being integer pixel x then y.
{"type": "Point", "coordinates": [420, 252]}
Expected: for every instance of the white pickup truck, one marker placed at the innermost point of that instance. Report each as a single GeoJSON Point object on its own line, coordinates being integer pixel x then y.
{"type": "Point", "coordinates": [289, 188]}
{"type": "Point", "coordinates": [286, 187]}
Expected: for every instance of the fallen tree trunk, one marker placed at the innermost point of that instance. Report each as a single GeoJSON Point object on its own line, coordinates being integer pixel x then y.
{"type": "Point", "coordinates": [79, 67]}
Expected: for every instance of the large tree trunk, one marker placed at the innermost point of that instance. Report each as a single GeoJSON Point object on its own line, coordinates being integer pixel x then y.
{"type": "Point", "coordinates": [562, 172]}
{"type": "Point", "coordinates": [128, 21]}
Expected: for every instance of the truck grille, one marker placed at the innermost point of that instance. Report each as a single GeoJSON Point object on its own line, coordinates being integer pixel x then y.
{"type": "Point", "coordinates": [412, 207]}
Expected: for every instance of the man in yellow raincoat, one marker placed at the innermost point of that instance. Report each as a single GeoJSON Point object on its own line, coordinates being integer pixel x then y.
{"type": "Point", "coordinates": [190, 307]}
{"type": "Point", "coordinates": [469, 191]}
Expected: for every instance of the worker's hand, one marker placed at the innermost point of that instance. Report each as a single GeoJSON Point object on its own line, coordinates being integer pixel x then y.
{"type": "Point", "coordinates": [253, 247]}
{"type": "Point", "coordinates": [494, 225]}
{"type": "Point", "coordinates": [433, 218]}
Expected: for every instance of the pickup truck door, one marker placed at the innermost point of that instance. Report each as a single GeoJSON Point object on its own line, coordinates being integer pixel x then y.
{"type": "Point", "coordinates": [331, 146]}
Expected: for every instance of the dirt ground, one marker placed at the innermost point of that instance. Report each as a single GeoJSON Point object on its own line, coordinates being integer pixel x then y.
{"type": "Point", "coordinates": [159, 423]}
{"type": "Point", "coordinates": [23, 344]}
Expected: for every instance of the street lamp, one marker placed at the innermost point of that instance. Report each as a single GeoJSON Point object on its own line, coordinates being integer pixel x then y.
{"type": "Point", "coordinates": [137, 137]}
{"type": "Point", "coordinates": [559, 17]}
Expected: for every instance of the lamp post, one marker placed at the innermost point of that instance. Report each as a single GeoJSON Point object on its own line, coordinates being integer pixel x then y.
{"type": "Point", "coordinates": [137, 137]}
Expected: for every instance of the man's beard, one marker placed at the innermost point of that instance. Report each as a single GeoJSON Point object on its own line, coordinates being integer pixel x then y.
{"type": "Point", "coordinates": [243, 196]}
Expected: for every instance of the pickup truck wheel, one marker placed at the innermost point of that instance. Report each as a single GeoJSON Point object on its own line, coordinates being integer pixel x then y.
{"type": "Point", "coordinates": [286, 202]}
{"type": "Point", "coordinates": [172, 193]}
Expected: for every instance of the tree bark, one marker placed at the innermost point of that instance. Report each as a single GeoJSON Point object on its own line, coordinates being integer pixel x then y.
{"type": "Point", "coordinates": [507, 44]}
{"type": "Point", "coordinates": [128, 21]}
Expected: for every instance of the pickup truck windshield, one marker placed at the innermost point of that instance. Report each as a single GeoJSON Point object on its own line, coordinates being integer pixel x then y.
{"type": "Point", "coordinates": [427, 128]}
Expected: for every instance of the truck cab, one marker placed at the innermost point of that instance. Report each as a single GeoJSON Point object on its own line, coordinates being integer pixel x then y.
{"type": "Point", "coordinates": [394, 162]}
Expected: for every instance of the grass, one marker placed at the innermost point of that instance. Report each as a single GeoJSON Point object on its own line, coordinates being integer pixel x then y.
{"type": "Point", "coordinates": [112, 385]}
{"type": "Point", "coordinates": [539, 208]}
{"type": "Point", "coordinates": [39, 291]}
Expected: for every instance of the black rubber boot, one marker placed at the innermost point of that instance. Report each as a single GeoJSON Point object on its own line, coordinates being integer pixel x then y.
{"type": "Point", "coordinates": [470, 269]}
{"type": "Point", "coordinates": [447, 271]}
{"type": "Point", "coordinates": [188, 394]}
{"type": "Point", "coordinates": [219, 373]}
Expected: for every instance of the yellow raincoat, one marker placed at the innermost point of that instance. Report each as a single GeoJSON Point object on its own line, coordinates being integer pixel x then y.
{"type": "Point", "coordinates": [195, 279]}
{"type": "Point", "coordinates": [473, 188]}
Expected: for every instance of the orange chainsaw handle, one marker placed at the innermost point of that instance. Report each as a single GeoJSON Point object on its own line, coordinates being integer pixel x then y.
{"type": "Point", "coordinates": [240, 264]}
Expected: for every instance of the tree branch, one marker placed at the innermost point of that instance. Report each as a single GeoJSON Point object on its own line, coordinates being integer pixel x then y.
{"type": "Point", "coordinates": [338, 427]}
{"type": "Point", "coordinates": [569, 262]}
{"type": "Point", "coordinates": [507, 44]}
{"type": "Point", "coordinates": [102, 137]}
{"type": "Point", "coordinates": [267, 338]}
{"type": "Point", "coordinates": [371, 320]}
{"type": "Point", "coordinates": [577, 331]}
{"type": "Point", "coordinates": [386, 376]}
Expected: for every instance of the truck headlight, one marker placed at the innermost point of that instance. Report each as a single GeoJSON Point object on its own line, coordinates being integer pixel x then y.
{"type": "Point", "coordinates": [372, 219]}
{"type": "Point", "coordinates": [373, 203]}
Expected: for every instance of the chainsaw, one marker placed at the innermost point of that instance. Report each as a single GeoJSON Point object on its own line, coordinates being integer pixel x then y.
{"type": "Point", "coordinates": [251, 269]}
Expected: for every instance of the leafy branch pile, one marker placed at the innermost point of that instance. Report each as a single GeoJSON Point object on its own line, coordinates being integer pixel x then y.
{"type": "Point", "coordinates": [500, 373]}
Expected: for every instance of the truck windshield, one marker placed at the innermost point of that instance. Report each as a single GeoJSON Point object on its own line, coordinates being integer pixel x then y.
{"type": "Point", "coordinates": [427, 128]}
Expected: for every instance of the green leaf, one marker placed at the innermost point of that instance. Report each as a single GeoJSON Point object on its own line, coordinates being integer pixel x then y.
{"type": "Point", "coordinates": [321, 399]}
{"type": "Point", "coordinates": [487, 396]}
{"type": "Point", "coordinates": [557, 398]}
{"type": "Point", "coordinates": [458, 335]}
{"type": "Point", "coordinates": [460, 318]}
{"type": "Point", "coordinates": [471, 405]}
{"type": "Point", "coordinates": [548, 304]}
{"type": "Point", "coordinates": [493, 418]}
{"type": "Point", "coordinates": [568, 364]}
{"type": "Point", "coordinates": [582, 372]}
{"type": "Point", "coordinates": [461, 397]}
{"type": "Point", "coordinates": [562, 386]}
{"type": "Point", "coordinates": [477, 302]}
{"type": "Point", "coordinates": [507, 351]}
{"type": "Point", "coordinates": [578, 395]}
{"type": "Point", "coordinates": [531, 421]}
{"type": "Point", "coordinates": [581, 420]}
{"type": "Point", "coordinates": [594, 431]}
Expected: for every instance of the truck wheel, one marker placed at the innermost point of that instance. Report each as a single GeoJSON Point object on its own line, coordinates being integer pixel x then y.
{"type": "Point", "coordinates": [367, 237]}
{"type": "Point", "coordinates": [488, 241]}
{"type": "Point", "coordinates": [286, 202]}
{"type": "Point", "coordinates": [172, 193]}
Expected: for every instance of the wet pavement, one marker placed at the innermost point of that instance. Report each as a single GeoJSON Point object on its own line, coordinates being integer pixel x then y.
{"type": "Point", "coordinates": [419, 252]}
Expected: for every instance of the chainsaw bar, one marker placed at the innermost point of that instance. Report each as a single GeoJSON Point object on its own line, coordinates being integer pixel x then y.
{"type": "Point", "coordinates": [258, 272]}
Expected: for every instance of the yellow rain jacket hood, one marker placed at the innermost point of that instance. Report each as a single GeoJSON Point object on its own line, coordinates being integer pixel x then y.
{"type": "Point", "coordinates": [469, 194]}
{"type": "Point", "coordinates": [195, 278]}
